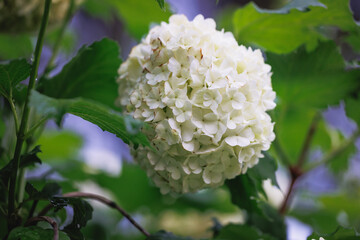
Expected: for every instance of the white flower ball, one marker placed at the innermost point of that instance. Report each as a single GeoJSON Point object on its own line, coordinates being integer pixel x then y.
{"type": "Point", "coordinates": [204, 98]}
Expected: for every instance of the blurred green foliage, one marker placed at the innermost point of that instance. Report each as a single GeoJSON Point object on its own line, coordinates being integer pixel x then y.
{"type": "Point", "coordinates": [301, 42]}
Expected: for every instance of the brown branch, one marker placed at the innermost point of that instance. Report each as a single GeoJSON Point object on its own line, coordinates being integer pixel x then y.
{"type": "Point", "coordinates": [103, 200]}
{"type": "Point", "coordinates": [309, 137]}
{"type": "Point", "coordinates": [295, 174]}
{"type": "Point", "coordinates": [34, 220]}
{"type": "Point", "coordinates": [296, 171]}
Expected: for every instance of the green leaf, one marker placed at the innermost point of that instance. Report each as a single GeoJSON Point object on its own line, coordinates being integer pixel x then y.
{"type": "Point", "coordinates": [136, 22]}
{"type": "Point", "coordinates": [283, 33]}
{"type": "Point", "coordinates": [348, 203]}
{"type": "Point", "coordinates": [105, 118]}
{"type": "Point", "coordinates": [161, 4]}
{"type": "Point", "coordinates": [35, 233]}
{"type": "Point", "coordinates": [246, 194]}
{"type": "Point", "coordinates": [48, 191]}
{"type": "Point", "coordinates": [162, 235]}
{"type": "Point", "coordinates": [339, 234]}
{"type": "Point", "coordinates": [352, 107]}
{"type": "Point", "coordinates": [82, 214]}
{"type": "Point", "coordinates": [12, 74]}
{"type": "Point", "coordinates": [315, 79]}
{"type": "Point", "coordinates": [301, 5]}
{"type": "Point", "coordinates": [90, 74]}
{"type": "Point", "coordinates": [269, 221]}
{"type": "Point", "coordinates": [305, 82]}
{"type": "Point", "coordinates": [321, 220]}
{"type": "Point", "coordinates": [30, 158]}
{"type": "Point", "coordinates": [59, 145]}
{"type": "Point", "coordinates": [265, 169]}
{"type": "Point", "coordinates": [15, 46]}
{"type": "Point", "coordinates": [236, 232]}
{"type": "Point", "coordinates": [26, 160]}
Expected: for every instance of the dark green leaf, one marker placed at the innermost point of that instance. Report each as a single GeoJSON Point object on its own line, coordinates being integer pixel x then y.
{"type": "Point", "coordinates": [30, 158]}
{"type": "Point", "coordinates": [161, 4]}
{"type": "Point", "coordinates": [301, 5]}
{"type": "Point", "coordinates": [102, 116]}
{"type": "Point", "coordinates": [310, 79]}
{"type": "Point", "coordinates": [237, 232]}
{"type": "Point", "coordinates": [352, 107]}
{"type": "Point", "coordinates": [283, 33]}
{"type": "Point", "coordinates": [265, 169]}
{"type": "Point", "coordinates": [82, 214]}
{"type": "Point", "coordinates": [339, 234]}
{"type": "Point", "coordinates": [269, 221]}
{"type": "Point", "coordinates": [90, 74]}
{"type": "Point", "coordinates": [244, 193]}
{"type": "Point", "coordinates": [15, 46]}
{"type": "Point", "coordinates": [12, 74]}
{"type": "Point", "coordinates": [162, 235]}
{"type": "Point", "coordinates": [35, 233]}
{"type": "Point", "coordinates": [48, 191]}
{"type": "Point", "coordinates": [217, 226]}
{"type": "Point", "coordinates": [26, 160]}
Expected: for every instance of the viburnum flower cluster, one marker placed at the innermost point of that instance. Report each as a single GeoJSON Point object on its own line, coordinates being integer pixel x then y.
{"type": "Point", "coordinates": [204, 98]}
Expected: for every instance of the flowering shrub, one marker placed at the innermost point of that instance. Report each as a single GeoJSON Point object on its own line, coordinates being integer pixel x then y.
{"type": "Point", "coordinates": [198, 102]}
{"type": "Point", "coordinates": [205, 99]}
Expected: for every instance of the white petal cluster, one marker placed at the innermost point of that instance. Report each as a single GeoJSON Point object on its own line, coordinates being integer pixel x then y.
{"type": "Point", "coordinates": [205, 99]}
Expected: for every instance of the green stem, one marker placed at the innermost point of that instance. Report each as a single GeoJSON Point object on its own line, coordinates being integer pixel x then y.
{"type": "Point", "coordinates": [56, 47]}
{"type": "Point", "coordinates": [26, 111]}
{"type": "Point", "coordinates": [22, 182]}
{"type": "Point", "coordinates": [33, 128]}
{"type": "Point", "coordinates": [335, 152]}
{"type": "Point", "coordinates": [13, 109]}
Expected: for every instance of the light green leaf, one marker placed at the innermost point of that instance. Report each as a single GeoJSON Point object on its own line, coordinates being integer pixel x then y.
{"type": "Point", "coordinates": [315, 79]}
{"type": "Point", "coordinates": [35, 233]}
{"type": "Point", "coordinates": [236, 232]}
{"type": "Point", "coordinates": [15, 46]}
{"type": "Point", "coordinates": [138, 19]}
{"type": "Point", "coordinates": [90, 74]}
{"type": "Point", "coordinates": [59, 145]}
{"type": "Point", "coordinates": [283, 33]}
{"type": "Point", "coordinates": [122, 126]}
{"type": "Point", "coordinates": [12, 74]}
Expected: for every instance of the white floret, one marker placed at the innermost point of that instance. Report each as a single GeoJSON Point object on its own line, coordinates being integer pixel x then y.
{"type": "Point", "coordinates": [204, 98]}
